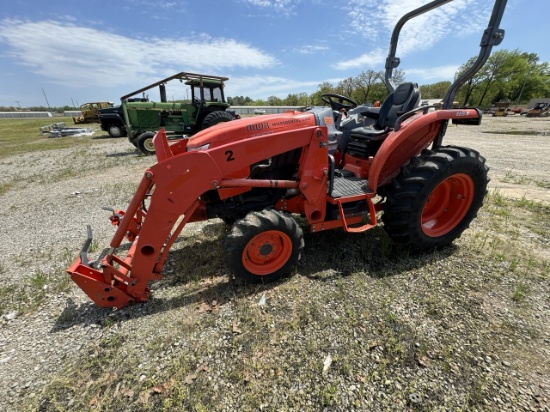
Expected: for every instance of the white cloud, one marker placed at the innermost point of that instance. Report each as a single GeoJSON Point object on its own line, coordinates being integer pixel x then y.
{"type": "Point", "coordinates": [311, 49]}
{"type": "Point", "coordinates": [375, 20]}
{"type": "Point", "coordinates": [432, 74]}
{"type": "Point", "coordinates": [372, 59]}
{"type": "Point", "coordinates": [285, 7]}
{"type": "Point", "coordinates": [75, 56]}
{"type": "Point", "coordinates": [265, 86]}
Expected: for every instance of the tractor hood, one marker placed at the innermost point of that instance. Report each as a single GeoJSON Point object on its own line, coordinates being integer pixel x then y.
{"type": "Point", "coordinates": [241, 129]}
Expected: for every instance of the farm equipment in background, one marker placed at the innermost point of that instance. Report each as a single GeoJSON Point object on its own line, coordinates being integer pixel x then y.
{"type": "Point", "coordinates": [140, 119]}
{"type": "Point", "coordinates": [502, 108]}
{"type": "Point", "coordinates": [339, 167]}
{"type": "Point", "coordinates": [60, 129]}
{"type": "Point", "coordinates": [541, 109]}
{"type": "Point", "coordinates": [90, 112]}
{"type": "Point", "coordinates": [439, 105]}
{"type": "Point", "coordinates": [111, 119]}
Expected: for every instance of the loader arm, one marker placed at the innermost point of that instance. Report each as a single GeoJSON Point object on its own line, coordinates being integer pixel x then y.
{"type": "Point", "coordinates": [174, 186]}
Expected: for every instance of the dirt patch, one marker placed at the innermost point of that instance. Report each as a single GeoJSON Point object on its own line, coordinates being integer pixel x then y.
{"type": "Point", "coordinates": [519, 163]}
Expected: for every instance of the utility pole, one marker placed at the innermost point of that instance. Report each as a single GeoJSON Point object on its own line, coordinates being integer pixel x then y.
{"type": "Point", "coordinates": [46, 97]}
{"type": "Point", "coordinates": [523, 86]}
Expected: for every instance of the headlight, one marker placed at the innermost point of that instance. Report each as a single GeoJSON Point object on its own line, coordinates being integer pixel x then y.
{"type": "Point", "coordinates": [203, 147]}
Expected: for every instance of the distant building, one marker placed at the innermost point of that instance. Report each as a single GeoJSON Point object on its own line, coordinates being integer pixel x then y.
{"type": "Point", "coordinates": [21, 115]}
{"type": "Point", "coordinates": [72, 113]}
{"type": "Point", "coordinates": [533, 102]}
{"type": "Point", "coordinates": [252, 110]}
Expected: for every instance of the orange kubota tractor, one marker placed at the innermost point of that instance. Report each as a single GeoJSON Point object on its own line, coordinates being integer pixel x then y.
{"type": "Point", "coordinates": [338, 167]}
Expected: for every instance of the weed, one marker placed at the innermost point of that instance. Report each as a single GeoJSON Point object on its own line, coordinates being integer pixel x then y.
{"type": "Point", "coordinates": [94, 246]}
{"type": "Point", "coordinates": [518, 180]}
{"type": "Point", "coordinates": [328, 395]}
{"type": "Point", "coordinates": [39, 280]}
{"type": "Point", "coordinates": [526, 203]}
{"type": "Point", "coordinates": [543, 184]}
{"type": "Point", "coordinates": [496, 198]}
{"type": "Point", "coordinates": [520, 292]}
{"type": "Point", "coordinates": [5, 187]}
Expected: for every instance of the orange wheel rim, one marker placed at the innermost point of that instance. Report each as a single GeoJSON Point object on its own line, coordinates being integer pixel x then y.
{"type": "Point", "coordinates": [267, 252]}
{"type": "Point", "coordinates": [447, 205]}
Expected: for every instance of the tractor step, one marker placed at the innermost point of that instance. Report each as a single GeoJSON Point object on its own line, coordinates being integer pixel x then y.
{"type": "Point", "coordinates": [353, 199]}
{"type": "Point", "coordinates": [349, 186]}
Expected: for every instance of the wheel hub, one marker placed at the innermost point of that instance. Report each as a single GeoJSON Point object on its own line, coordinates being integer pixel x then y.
{"type": "Point", "coordinates": [447, 205]}
{"type": "Point", "coordinates": [266, 249]}
{"type": "Point", "coordinates": [267, 252]}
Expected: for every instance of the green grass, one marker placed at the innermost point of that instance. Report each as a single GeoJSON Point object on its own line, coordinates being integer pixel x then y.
{"type": "Point", "coordinates": [510, 177]}
{"type": "Point", "coordinates": [5, 187]}
{"type": "Point", "coordinates": [23, 136]}
{"type": "Point", "coordinates": [28, 294]}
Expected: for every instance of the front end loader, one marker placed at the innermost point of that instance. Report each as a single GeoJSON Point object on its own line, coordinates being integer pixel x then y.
{"type": "Point", "coordinates": [341, 166]}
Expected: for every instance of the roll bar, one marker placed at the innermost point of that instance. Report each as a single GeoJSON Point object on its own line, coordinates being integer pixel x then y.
{"type": "Point", "coordinates": [392, 62]}
{"type": "Point", "coordinates": [492, 36]}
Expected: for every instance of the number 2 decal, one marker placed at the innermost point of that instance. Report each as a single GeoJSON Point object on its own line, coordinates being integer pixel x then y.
{"type": "Point", "coordinates": [229, 155]}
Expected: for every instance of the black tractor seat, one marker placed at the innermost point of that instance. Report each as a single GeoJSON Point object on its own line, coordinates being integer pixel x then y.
{"type": "Point", "coordinates": [370, 132]}
{"type": "Point", "coordinates": [365, 141]}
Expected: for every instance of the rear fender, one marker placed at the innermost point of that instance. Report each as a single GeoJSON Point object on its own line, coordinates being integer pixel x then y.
{"type": "Point", "coordinates": [416, 134]}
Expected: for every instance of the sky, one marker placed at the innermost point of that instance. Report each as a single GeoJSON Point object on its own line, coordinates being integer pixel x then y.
{"type": "Point", "coordinates": [61, 52]}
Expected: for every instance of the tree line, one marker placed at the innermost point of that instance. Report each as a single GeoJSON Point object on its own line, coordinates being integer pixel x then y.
{"type": "Point", "coordinates": [512, 75]}
{"type": "Point", "coordinates": [38, 109]}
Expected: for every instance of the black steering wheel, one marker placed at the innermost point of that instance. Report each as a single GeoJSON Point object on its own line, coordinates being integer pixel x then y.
{"type": "Point", "coordinates": [338, 102]}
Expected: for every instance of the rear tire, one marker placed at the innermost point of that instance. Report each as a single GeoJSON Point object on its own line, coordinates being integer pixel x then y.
{"type": "Point", "coordinates": [264, 246]}
{"type": "Point", "coordinates": [214, 118]}
{"type": "Point", "coordinates": [145, 143]}
{"type": "Point", "coordinates": [435, 197]}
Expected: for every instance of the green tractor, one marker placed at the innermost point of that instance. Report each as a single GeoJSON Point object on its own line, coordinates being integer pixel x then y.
{"type": "Point", "coordinates": [143, 118]}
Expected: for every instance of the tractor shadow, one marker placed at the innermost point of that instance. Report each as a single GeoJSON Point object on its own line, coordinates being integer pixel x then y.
{"type": "Point", "coordinates": [335, 254]}
{"type": "Point", "coordinates": [195, 273]}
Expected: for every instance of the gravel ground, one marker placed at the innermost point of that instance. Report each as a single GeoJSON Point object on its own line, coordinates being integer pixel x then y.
{"type": "Point", "coordinates": [513, 158]}
{"type": "Point", "coordinates": [44, 215]}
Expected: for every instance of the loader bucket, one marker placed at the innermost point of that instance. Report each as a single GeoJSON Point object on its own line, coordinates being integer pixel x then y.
{"type": "Point", "coordinates": [92, 283]}
{"type": "Point", "coordinates": [151, 224]}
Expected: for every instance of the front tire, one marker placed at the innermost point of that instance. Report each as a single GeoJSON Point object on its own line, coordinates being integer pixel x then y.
{"type": "Point", "coordinates": [435, 197]}
{"type": "Point", "coordinates": [145, 143]}
{"type": "Point", "coordinates": [264, 246]}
